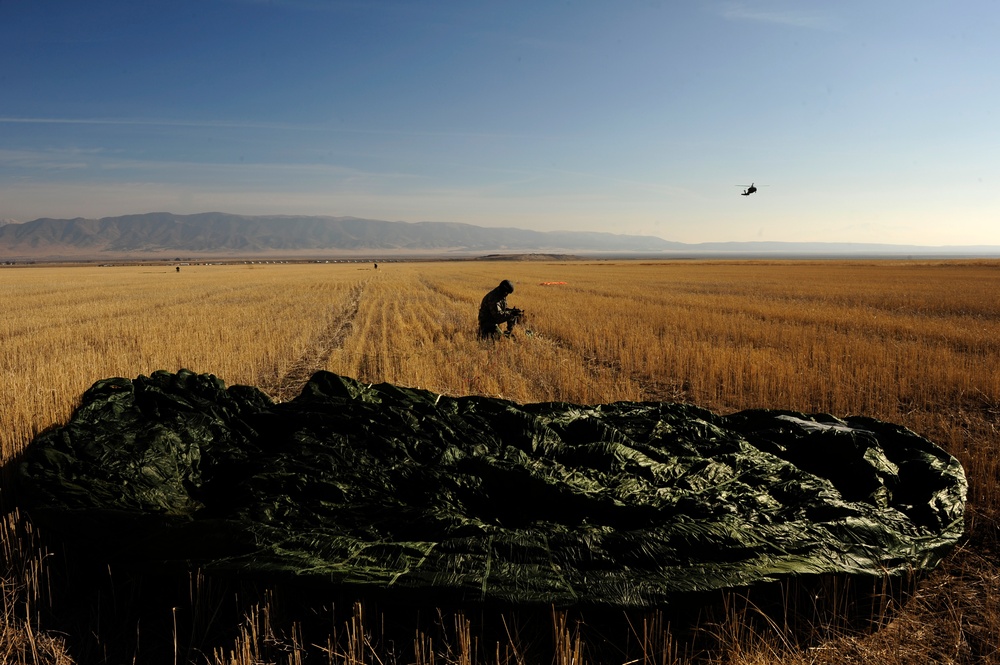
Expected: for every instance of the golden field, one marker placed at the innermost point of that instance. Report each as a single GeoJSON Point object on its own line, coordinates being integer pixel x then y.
{"type": "Point", "coordinates": [916, 343]}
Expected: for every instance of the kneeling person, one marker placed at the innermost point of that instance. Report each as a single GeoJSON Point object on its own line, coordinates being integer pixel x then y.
{"type": "Point", "coordinates": [493, 312]}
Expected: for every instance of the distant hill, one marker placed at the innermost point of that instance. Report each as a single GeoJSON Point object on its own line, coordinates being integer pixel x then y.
{"type": "Point", "coordinates": [225, 234]}
{"type": "Point", "coordinates": [216, 234]}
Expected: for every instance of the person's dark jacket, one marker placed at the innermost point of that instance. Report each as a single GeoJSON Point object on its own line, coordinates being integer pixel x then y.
{"type": "Point", "coordinates": [493, 311]}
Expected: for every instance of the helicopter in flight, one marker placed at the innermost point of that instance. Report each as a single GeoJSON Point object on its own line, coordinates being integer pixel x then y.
{"type": "Point", "coordinates": [749, 190]}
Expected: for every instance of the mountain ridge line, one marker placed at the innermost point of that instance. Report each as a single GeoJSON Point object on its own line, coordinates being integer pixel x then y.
{"type": "Point", "coordinates": [218, 233]}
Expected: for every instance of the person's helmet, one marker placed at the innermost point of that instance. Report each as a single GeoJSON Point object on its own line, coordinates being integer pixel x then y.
{"type": "Point", "coordinates": [507, 285]}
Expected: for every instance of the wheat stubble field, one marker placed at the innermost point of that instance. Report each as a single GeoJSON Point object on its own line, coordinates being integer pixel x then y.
{"type": "Point", "coordinates": [916, 343]}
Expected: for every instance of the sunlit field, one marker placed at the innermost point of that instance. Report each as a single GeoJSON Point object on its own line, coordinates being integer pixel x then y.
{"type": "Point", "coordinates": [916, 343]}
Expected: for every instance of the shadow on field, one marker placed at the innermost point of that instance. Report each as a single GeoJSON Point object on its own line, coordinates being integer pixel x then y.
{"type": "Point", "coordinates": [109, 614]}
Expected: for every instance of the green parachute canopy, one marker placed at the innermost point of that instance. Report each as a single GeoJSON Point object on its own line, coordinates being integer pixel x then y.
{"type": "Point", "coordinates": [406, 493]}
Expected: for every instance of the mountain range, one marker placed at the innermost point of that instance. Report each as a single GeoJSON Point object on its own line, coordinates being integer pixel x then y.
{"type": "Point", "coordinates": [216, 234]}
{"type": "Point", "coordinates": [225, 234]}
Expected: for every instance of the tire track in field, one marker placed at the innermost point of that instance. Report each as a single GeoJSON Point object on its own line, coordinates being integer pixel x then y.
{"type": "Point", "coordinates": [434, 287]}
{"type": "Point", "coordinates": [598, 369]}
{"type": "Point", "coordinates": [288, 385]}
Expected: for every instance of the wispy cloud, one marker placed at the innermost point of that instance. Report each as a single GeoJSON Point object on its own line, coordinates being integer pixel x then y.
{"type": "Point", "coordinates": [258, 125]}
{"type": "Point", "coordinates": [57, 160]}
{"type": "Point", "coordinates": [154, 122]}
{"type": "Point", "coordinates": [60, 168]}
{"type": "Point", "coordinates": [776, 14]}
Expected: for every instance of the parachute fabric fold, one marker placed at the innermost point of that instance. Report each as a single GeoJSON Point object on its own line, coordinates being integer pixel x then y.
{"type": "Point", "coordinates": [402, 492]}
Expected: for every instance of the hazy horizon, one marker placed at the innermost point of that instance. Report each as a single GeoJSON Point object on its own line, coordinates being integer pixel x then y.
{"type": "Point", "coordinates": [158, 235]}
{"type": "Point", "coordinates": [860, 123]}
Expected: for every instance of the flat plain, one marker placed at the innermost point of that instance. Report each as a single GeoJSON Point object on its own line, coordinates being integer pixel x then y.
{"type": "Point", "coordinates": [912, 342]}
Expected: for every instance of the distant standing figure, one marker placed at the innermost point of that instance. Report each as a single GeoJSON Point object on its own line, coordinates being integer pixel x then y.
{"type": "Point", "coordinates": [178, 268]}
{"type": "Point", "coordinates": [493, 312]}
{"type": "Point", "coordinates": [376, 266]}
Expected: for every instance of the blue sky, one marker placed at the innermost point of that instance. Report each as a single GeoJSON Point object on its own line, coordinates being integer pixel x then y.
{"type": "Point", "coordinates": [868, 122]}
